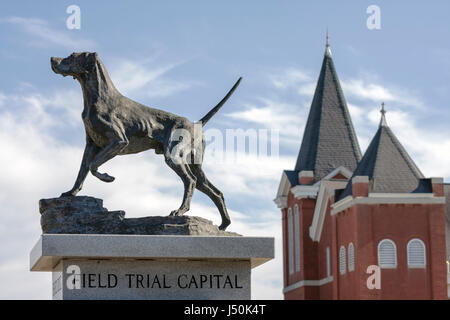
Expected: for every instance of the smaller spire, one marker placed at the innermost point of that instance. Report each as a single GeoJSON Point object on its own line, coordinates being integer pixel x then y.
{"type": "Point", "coordinates": [327, 47]}
{"type": "Point", "coordinates": [383, 122]}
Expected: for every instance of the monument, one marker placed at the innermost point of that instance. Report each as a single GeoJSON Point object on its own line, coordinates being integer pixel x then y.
{"type": "Point", "coordinates": [94, 253]}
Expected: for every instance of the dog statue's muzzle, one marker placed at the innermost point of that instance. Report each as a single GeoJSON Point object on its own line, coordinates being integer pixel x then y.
{"type": "Point", "coordinates": [56, 63]}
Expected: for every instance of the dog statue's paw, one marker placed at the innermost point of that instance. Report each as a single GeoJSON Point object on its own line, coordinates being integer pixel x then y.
{"type": "Point", "coordinates": [107, 178]}
{"type": "Point", "coordinates": [104, 177]}
{"type": "Point", "coordinates": [176, 213]}
{"type": "Point", "coordinates": [67, 194]}
{"type": "Point", "coordinates": [224, 225]}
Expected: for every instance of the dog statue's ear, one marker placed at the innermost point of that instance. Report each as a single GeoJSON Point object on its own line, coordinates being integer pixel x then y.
{"type": "Point", "coordinates": [94, 56]}
{"type": "Point", "coordinates": [91, 59]}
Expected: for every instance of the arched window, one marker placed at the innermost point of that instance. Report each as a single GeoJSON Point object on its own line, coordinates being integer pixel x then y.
{"type": "Point", "coordinates": [351, 257]}
{"type": "Point", "coordinates": [297, 238]}
{"type": "Point", "coordinates": [290, 242]}
{"type": "Point", "coordinates": [416, 254]}
{"type": "Point", "coordinates": [342, 262]}
{"type": "Point", "coordinates": [387, 254]}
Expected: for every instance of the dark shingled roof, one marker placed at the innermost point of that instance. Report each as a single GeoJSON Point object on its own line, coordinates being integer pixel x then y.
{"type": "Point", "coordinates": [329, 139]}
{"type": "Point", "coordinates": [292, 177]}
{"type": "Point", "coordinates": [389, 167]}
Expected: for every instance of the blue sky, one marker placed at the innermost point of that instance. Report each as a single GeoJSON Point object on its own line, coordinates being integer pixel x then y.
{"type": "Point", "coordinates": [183, 56]}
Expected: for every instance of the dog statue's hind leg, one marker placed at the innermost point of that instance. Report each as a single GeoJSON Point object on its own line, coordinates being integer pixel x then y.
{"type": "Point", "coordinates": [178, 163]}
{"type": "Point", "coordinates": [205, 186]}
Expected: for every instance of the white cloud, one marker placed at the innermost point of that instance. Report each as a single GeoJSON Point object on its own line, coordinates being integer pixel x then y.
{"type": "Point", "coordinates": [2, 100]}
{"type": "Point", "coordinates": [356, 112]}
{"type": "Point", "coordinates": [365, 88]}
{"type": "Point", "coordinates": [36, 108]}
{"type": "Point", "coordinates": [272, 114]}
{"type": "Point", "coordinates": [370, 91]}
{"type": "Point", "coordinates": [43, 35]}
{"type": "Point", "coordinates": [307, 89]}
{"type": "Point", "coordinates": [18, 279]}
{"type": "Point", "coordinates": [268, 113]}
{"type": "Point", "coordinates": [296, 79]}
{"type": "Point", "coordinates": [375, 93]}
{"type": "Point", "coordinates": [138, 77]}
{"type": "Point", "coordinates": [248, 174]}
{"type": "Point", "coordinates": [288, 78]}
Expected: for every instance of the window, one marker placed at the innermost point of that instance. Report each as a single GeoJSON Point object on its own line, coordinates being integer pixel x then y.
{"type": "Point", "coordinates": [290, 242]}
{"type": "Point", "coordinates": [387, 254]}
{"type": "Point", "coordinates": [416, 254]}
{"type": "Point", "coordinates": [342, 262]}
{"type": "Point", "coordinates": [328, 262]}
{"type": "Point", "coordinates": [297, 238]}
{"type": "Point", "coordinates": [351, 257]}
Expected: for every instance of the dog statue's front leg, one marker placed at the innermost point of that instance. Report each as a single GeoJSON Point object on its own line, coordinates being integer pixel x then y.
{"type": "Point", "coordinates": [90, 151]}
{"type": "Point", "coordinates": [109, 152]}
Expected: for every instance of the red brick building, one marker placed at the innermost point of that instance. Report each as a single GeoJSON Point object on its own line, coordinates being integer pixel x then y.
{"type": "Point", "coordinates": [359, 226]}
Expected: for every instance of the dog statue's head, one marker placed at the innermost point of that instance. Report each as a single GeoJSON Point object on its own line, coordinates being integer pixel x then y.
{"type": "Point", "coordinates": [75, 65]}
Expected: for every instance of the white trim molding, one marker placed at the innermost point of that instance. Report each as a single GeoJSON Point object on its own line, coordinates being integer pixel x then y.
{"type": "Point", "coordinates": [401, 195]}
{"type": "Point", "coordinates": [360, 179]}
{"type": "Point", "coordinates": [308, 283]}
{"type": "Point", "coordinates": [281, 202]}
{"type": "Point", "coordinates": [437, 180]}
{"type": "Point", "coordinates": [319, 213]}
{"type": "Point", "coordinates": [326, 191]}
{"type": "Point", "coordinates": [290, 227]}
{"type": "Point", "coordinates": [298, 236]}
{"type": "Point", "coordinates": [283, 191]}
{"type": "Point", "coordinates": [387, 198]}
{"type": "Point", "coordinates": [342, 170]}
{"type": "Point", "coordinates": [304, 191]}
{"type": "Point", "coordinates": [305, 174]}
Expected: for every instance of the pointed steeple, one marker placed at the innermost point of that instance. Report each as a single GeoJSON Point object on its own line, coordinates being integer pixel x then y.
{"type": "Point", "coordinates": [329, 140]}
{"type": "Point", "coordinates": [387, 164]}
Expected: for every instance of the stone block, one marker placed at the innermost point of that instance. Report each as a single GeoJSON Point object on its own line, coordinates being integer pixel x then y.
{"type": "Point", "coordinates": [150, 266]}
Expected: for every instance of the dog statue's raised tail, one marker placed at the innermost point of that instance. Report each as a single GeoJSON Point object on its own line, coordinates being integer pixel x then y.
{"type": "Point", "coordinates": [214, 110]}
{"type": "Point", "coordinates": [116, 125]}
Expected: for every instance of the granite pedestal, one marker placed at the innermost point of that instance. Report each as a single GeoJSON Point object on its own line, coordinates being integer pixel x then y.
{"type": "Point", "coordinates": [111, 266]}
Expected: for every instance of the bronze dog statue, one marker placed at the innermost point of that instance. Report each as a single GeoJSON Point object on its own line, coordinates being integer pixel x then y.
{"type": "Point", "coordinates": [116, 125]}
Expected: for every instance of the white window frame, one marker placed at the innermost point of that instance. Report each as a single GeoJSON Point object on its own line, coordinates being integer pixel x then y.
{"type": "Point", "coordinates": [328, 258]}
{"type": "Point", "coordinates": [298, 235]}
{"type": "Point", "coordinates": [387, 266]}
{"type": "Point", "coordinates": [290, 242]}
{"type": "Point", "coordinates": [351, 257]}
{"type": "Point", "coordinates": [342, 260]}
{"type": "Point", "coordinates": [415, 265]}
